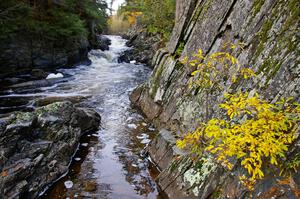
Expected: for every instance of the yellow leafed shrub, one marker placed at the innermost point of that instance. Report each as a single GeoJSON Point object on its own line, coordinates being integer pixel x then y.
{"type": "Point", "coordinates": [210, 70]}
{"type": "Point", "coordinates": [253, 132]}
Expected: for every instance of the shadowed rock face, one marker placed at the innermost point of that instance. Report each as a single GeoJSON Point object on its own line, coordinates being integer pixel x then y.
{"type": "Point", "coordinates": [102, 43]}
{"type": "Point", "coordinates": [21, 55]}
{"type": "Point", "coordinates": [36, 148]}
{"type": "Point", "coordinates": [144, 46]}
{"type": "Point", "coordinates": [269, 32]}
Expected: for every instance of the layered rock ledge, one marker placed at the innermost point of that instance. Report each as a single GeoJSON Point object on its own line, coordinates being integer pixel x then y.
{"type": "Point", "coordinates": [182, 178]}
{"type": "Point", "coordinates": [267, 30]}
{"type": "Point", "coordinates": [36, 147]}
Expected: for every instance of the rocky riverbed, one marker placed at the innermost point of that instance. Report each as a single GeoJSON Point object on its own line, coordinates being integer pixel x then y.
{"type": "Point", "coordinates": [39, 143]}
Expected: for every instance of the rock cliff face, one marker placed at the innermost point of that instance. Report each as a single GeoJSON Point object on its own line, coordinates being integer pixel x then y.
{"type": "Point", "coordinates": [36, 147]}
{"type": "Point", "coordinates": [23, 54]}
{"type": "Point", "coordinates": [144, 46]}
{"type": "Point", "coordinates": [269, 31]}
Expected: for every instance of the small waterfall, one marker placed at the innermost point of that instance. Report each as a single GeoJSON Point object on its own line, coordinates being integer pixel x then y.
{"type": "Point", "coordinates": [115, 49]}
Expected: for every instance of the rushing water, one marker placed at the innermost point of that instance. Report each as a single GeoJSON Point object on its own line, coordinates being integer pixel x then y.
{"type": "Point", "coordinates": [110, 162]}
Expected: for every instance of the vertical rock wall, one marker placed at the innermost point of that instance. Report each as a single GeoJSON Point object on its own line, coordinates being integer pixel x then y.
{"type": "Point", "coordinates": [269, 31]}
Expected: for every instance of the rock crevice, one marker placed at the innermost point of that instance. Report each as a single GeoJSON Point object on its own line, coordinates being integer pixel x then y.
{"type": "Point", "coordinates": [268, 32]}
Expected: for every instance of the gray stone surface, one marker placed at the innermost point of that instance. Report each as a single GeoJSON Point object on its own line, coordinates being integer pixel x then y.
{"type": "Point", "coordinates": [36, 147]}
{"type": "Point", "coordinates": [144, 46]}
{"type": "Point", "coordinates": [184, 10]}
{"type": "Point", "coordinates": [269, 31]}
{"type": "Point", "coordinates": [22, 54]}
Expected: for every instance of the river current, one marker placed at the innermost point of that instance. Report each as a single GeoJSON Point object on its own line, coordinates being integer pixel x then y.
{"type": "Point", "coordinates": [110, 163]}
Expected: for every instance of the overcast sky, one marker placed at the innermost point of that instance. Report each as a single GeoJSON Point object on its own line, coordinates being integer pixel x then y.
{"type": "Point", "coordinates": [116, 4]}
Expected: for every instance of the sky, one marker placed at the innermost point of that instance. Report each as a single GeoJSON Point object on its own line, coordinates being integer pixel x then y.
{"type": "Point", "coordinates": [116, 4]}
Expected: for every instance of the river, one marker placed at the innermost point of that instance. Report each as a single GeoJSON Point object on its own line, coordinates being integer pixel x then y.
{"type": "Point", "coordinates": [110, 163]}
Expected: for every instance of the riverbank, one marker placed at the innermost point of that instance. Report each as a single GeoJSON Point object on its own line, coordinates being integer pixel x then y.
{"type": "Point", "coordinates": [110, 162]}
{"type": "Point", "coordinates": [143, 46]}
{"type": "Point", "coordinates": [40, 36]}
{"type": "Point", "coordinates": [48, 62]}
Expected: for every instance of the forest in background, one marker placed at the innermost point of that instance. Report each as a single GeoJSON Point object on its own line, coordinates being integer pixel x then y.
{"type": "Point", "coordinates": [54, 20]}
{"type": "Point", "coordinates": [48, 33]}
{"type": "Point", "coordinates": [157, 17]}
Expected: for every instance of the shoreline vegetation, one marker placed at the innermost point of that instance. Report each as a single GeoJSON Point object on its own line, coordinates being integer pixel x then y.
{"type": "Point", "coordinates": [48, 34]}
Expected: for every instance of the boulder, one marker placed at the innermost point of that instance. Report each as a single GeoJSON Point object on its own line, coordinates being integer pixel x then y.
{"type": "Point", "coordinates": [103, 43]}
{"type": "Point", "coordinates": [36, 147]}
{"type": "Point", "coordinates": [126, 56]}
{"type": "Point", "coordinates": [144, 46]}
{"type": "Point", "coordinates": [39, 73]}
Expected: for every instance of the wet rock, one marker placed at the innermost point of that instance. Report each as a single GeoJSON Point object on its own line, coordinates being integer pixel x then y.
{"type": "Point", "coordinates": [12, 80]}
{"type": "Point", "coordinates": [52, 164]}
{"type": "Point", "coordinates": [126, 56]}
{"type": "Point", "coordinates": [38, 83]}
{"type": "Point", "coordinates": [36, 147]}
{"type": "Point", "coordinates": [39, 73]}
{"type": "Point", "coordinates": [162, 149]}
{"type": "Point", "coordinates": [144, 46]}
{"type": "Point", "coordinates": [49, 100]}
{"type": "Point", "coordinates": [140, 98]}
{"type": "Point", "coordinates": [136, 94]}
{"type": "Point", "coordinates": [103, 43]}
{"type": "Point", "coordinates": [90, 186]}
{"type": "Point", "coordinates": [131, 40]}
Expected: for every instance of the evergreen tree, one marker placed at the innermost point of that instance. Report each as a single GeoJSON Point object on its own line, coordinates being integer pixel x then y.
{"type": "Point", "coordinates": [55, 20]}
